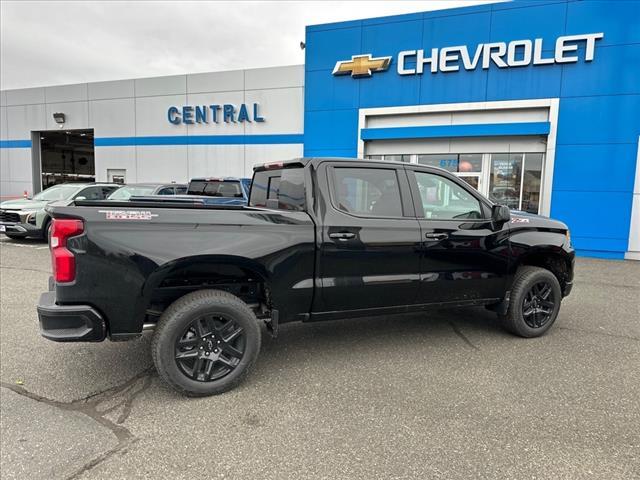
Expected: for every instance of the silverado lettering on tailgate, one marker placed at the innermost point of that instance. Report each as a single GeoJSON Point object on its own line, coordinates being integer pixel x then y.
{"type": "Point", "coordinates": [128, 214]}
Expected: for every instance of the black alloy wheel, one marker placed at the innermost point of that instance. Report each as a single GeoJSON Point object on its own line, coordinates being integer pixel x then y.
{"type": "Point", "coordinates": [538, 305]}
{"type": "Point", "coordinates": [210, 348]}
{"type": "Point", "coordinates": [534, 302]}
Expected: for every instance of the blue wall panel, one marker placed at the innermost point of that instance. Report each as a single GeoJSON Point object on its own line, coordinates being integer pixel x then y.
{"type": "Point", "coordinates": [331, 129]}
{"type": "Point", "coordinates": [599, 117]}
{"type": "Point", "coordinates": [544, 21]}
{"type": "Point", "coordinates": [605, 75]}
{"type": "Point", "coordinates": [603, 119]}
{"type": "Point", "coordinates": [456, 30]}
{"type": "Point", "coordinates": [585, 166]}
{"type": "Point", "coordinates": [326, 47]}
{"type": "Point", "coordinates": [619, 20]}
{"type": "Point", "coordinates": [523, 82]}
{"type": "Point", "coordinates": [579, 209]}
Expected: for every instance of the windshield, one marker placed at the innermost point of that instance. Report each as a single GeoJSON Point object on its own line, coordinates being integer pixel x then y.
{"type": "Point", "coordinates": [59, 192]}
{"type": "Point", "coordinates": [216, 188]}
{"type": "Point", "coordinates": [124, 193]}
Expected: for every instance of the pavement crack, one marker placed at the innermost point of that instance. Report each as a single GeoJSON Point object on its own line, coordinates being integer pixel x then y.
{"type": "Point", "coordinates": [595, 332]}
{"type": "Point", "coordinates": [464, 338]}
{"type": "Point", "coordinates": [25, 269]}
{"type": "Point", "coordinates": [98, 406]}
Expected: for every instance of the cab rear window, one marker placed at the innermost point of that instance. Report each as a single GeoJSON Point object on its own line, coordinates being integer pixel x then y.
{"type": "Point", "coordinates": [279, 189]}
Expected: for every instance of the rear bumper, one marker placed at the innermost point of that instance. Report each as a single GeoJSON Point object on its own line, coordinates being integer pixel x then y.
{"type": "Point", "coordinates": [69, 323]}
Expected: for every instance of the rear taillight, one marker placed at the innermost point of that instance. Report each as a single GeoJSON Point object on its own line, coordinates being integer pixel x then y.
{"type": "Point", "coordinates": [64, 262]}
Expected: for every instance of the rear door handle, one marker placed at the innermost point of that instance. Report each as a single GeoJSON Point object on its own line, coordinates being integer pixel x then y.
{"type": "Point", "coordinates": [342, 236]}
{"type": "Point", "coordinates": [436, 236]}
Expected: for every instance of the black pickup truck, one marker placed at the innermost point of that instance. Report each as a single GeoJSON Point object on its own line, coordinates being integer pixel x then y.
{"type": "Point", "coordinates": [320, 239]}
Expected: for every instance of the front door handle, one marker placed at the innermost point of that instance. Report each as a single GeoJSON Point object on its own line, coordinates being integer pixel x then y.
{"type": "Point", "coordinates": [342, 236]}
{"type": "Point", "coordinates": [436, 236]}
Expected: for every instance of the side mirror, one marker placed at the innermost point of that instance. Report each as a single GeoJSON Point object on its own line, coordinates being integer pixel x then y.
{"type": "Point", "coordinates": [80, 198]}
{"type": "Point", "coordinates": [500, 214]}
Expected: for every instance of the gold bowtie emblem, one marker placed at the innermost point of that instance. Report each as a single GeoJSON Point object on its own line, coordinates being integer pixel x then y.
{"type": "Point", "coordinates": [362, 65]}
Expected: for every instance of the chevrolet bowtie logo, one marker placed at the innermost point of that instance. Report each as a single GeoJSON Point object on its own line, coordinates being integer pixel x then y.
{"type": "Point", "coordinates": [362, 66]}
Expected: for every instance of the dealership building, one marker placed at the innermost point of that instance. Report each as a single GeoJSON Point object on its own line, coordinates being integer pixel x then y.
{"type": "Point", "coordinates": [534, 103]}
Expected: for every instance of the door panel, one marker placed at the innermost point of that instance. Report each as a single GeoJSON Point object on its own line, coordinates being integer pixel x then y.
{"type": "Point", "coordinates": [369, 244]}
{"type": "Point", "coordinates": [463, 259]}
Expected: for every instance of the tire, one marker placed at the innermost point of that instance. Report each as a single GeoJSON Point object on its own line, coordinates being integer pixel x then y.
{"type": "Point", "coordinates": [201, 328]}
{"type": "Point", "coordinates": [46, 232]}
{"type": "Point", "coordinates": [534, 303]}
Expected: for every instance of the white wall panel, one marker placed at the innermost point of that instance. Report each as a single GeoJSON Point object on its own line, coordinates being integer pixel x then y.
{"type": "Point", "coordinates": [216, 160]}
{"type": "Point", "coordinates": [149, 87]}
{"type": "Point", "coordinates": [162, 163]}
{"type": "Point", "coordinates": [255, 154]}
{"type": "Point", "coordinates": [4, 128]}
{"type": "Point", "coordinates": [20, 165]}
{"type": "Point", "coordinates": [76, 115]}
{"type": "Point", "coordinates": [501, 116]}
{"type": "Point", "coordinates": [113, 118]}
{"type": "Point", "coordinates": [282, 109]}
{"type": "Point", "coordinates": [10, 190]}
{"type": "Point", "coordinates": [116, 158]}
{"type": "Point", "coordinates": [3, 98]}
{"type": "Point", "coordinates": [66, 93]}
{"type": "Point", "coordinates": [276, 77]}
{"type": "Point", "coordinates": [407, 120]}
{"type": "Point", "coordinates": [151, 115]}
{"type": "Point", "coordinates": [220, 128]}
{"type": "Point", "coordinates": [115, 89]}
{"type": "Point", "coordinates": [25, 96]}
{"type": "Point", "coordinates": [21, 120]}
{"type": "Point", "coordinates": [5, 173]}
{"type": "Point", "coordinates": [215, 82]}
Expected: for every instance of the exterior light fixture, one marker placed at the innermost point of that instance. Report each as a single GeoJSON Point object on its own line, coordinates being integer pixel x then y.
{"type": "Point", "coordinates": [59, 118]}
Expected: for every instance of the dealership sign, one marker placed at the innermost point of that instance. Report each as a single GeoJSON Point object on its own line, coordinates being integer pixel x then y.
{"type": "Point", "coordinates": [227, 113]}
{"type": "Point", "coordinates": [517, 53]}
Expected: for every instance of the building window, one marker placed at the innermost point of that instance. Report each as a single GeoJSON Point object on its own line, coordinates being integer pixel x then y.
{"type": "Point", "coordinates": [512, 179]}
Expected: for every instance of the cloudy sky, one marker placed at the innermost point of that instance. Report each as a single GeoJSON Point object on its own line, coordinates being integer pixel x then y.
{"type": "Point", "coordinates": [55, 42]}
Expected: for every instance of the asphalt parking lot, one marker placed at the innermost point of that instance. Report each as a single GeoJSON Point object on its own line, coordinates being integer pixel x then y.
{"type": "Point", "coordinates": [445, 395]}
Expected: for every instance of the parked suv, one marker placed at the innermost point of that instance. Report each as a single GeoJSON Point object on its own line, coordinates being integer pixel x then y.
{"type": "Point", "coordinates": [125, 192]}
{"type": "Point", "coordinates": [26, 217]}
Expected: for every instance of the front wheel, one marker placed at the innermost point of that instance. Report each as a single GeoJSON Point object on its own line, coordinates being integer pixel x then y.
{"type": "Point", "coordinates": [206, 342]}
{"type": "Point", "coordinates": [534, 303]}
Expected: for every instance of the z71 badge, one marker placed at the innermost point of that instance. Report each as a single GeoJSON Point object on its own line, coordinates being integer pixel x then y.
{"type": "Point", "coordinates": [519, 220]}
{"type": "Point", "coordinates": [128, 214]}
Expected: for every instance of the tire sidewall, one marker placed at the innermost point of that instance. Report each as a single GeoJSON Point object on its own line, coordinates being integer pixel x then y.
{"type": "Point", "coordinates": [175, 325]}
{"type": "Point", "coordinates": [516, 307]}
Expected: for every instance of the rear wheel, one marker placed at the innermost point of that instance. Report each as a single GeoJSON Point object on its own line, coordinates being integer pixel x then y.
{"type": "Point", "coordinates": [206, 342]}
{"type": "Point", "coordinates": [534, 303]}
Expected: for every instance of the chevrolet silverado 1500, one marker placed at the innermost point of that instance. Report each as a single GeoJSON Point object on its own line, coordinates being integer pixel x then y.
{"type": "Point", "coordinates": [320, 239]}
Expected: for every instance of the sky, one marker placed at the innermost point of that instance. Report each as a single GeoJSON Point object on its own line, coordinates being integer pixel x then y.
{"type": "Point", "coordinates": [61, 42]}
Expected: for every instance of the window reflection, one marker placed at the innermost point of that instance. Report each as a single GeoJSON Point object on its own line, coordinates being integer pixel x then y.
{"type": "Point", "coordinates": [531, 182]}
{"type": "Point", "coordinates": [504, 179]}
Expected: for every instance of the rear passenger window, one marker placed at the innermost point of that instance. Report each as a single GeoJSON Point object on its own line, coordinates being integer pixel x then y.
{"type": "Point", "coordinates": [370, 192]}
{"type": "Point", "coordinates": [166, 191]}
